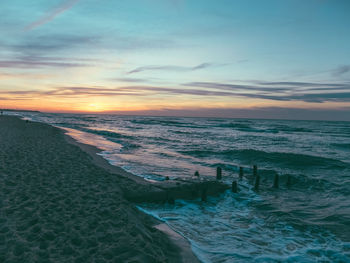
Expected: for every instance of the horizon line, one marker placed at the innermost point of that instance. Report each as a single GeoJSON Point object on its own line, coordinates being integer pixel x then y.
{"type": "Point", "coordinates": [175, 113]}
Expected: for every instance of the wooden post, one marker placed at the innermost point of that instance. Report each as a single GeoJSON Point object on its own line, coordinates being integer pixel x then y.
{"type": "Point", "coordinates": [240, 172]}
{"type": "Point", "coordinates": [196, 173]}
{"type": "Point", "coordinates": [218, 173]}
{"type": "Point", "coordinates": [257, 183]}
{"type": "Point", "coordinates": [204, 194]}
{"type": "Point", "coordinates": [276, 181]}
{"type": "Point", "coordinates": [169, 198]}
{"type": "Point", "coordinates": [255, 170]}
{"type": "Point", "coordinates": [234, 187]}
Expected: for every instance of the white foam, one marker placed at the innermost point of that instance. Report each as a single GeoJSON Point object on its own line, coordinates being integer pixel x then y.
{"type": "Point", "coordinates": [92, 139]}
{"type": "Point", "coordinates": [227, 229]}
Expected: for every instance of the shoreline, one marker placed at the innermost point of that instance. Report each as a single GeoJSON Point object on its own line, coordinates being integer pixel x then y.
{"type": "Point", "coordinates": [60, 201]}
{"type": "Point", "coordinates": [186, 253]}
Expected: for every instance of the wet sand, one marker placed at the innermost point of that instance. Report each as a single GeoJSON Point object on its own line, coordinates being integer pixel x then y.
{"type": "Point", "coordinates": [63, 203]}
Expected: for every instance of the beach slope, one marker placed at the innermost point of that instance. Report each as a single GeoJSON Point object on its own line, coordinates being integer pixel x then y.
{"type": "Point", "coordinates": [58, 206]}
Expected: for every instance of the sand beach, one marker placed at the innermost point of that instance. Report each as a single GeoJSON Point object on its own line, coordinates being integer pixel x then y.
{"type": "Point", "coordinates": [59, 203]}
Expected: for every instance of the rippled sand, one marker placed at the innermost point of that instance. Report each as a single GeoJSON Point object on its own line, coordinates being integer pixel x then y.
{"type": "Point", "coordinates": [56, 206]}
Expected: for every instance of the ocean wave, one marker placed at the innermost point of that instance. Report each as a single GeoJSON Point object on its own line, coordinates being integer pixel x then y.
{"type": "Point", "coordinates": [126, 141]}
{"type": "Point", "coordinates": [281, 158]}
{"type": "Point", "coordinates": [240, 126]}
{"type": "Point", "coordinates": [77, 126]}
{"type": "Point", "coordinates": [128, 147]}
{"type": "Point", "coordinates": [156, 122]}
{"type": "Point", "coordinates": [345, 146]}
{"type": "Point", "coordinates": [180, 132]}
{"type": "Point", "coordinates": [107, 133]}
{"type": "Point", "coordinates": [235, 125]}
{"type": "Point", "coordinates": [168, 123]}
{"type": "Point", "coordinates": [285, 128]}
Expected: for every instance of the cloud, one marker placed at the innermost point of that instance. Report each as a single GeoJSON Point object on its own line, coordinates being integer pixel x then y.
{"type": "Point", "coordinates": [23, 76]}
{"type": "Point", "coordinates": [33, 47]}
{"type": "Point", "coordinates": [135, 80]}
{"type": "Point", "coordinates": [341, 70]}
{"type": "Point", "coordinates": [300, 84]}
{"type": "Point", "coordinates": [202, 66]}
{"type": "Point", "coordinates": [284, 91]}
{"type": "Point", "coordinates": [119, 91]}
{"type": "Point", "coordinates": [233, 87]}
{"type": "Point", "coordinates": [130, 90]}
{"type": "Point", "coordinates": [170, 68]}
{"type": "Point", "coordinates": [47, 51]}
{"type": "Point", "coordinates": [179, 91]}
{"type": "Point", "coordinates": [38, 63]}
{"type": "Point", "coordinates": [73, 46]}
{"type": "Point", "coordinates": [66, 5]}
{"type": "Point", "coordinates": [38, 52]}
{"type": "Point", "coordinates": [52, 43]}
{"type": "Point", "coordinates": [200, 89]}
{"type": "Point", "coordinates": [322, 97]}
{"type": "Point", "coordinates": [87, 91]}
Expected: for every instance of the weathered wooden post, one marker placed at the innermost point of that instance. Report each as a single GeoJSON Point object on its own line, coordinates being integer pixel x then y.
{"type": "Point", "coordinates": [276, 181]}
{"type": "Point", "coordinates": [234, 187]}
{"type": "Point", "coordinates": [204, 194]}
{"type": "Point", "coordinates": [257, 183]}
{"type": "Point", "coordinates": [240, 172]}
{"type": "Point", "coordinates": [169, 198]}
{"type": "Point", "coordinates": [196, 173]}
{"type": "Point", "coordinates": [218, 173]}
{"type": "Point", "coordinates": [255, 170]}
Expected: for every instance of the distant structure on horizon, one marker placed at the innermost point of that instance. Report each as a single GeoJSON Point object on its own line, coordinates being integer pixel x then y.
{"type": "Point", "coordinates": [19, 110]}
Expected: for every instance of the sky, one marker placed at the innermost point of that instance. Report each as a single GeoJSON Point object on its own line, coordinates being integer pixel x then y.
{"type": "Point", "coordinates": [224, 58]}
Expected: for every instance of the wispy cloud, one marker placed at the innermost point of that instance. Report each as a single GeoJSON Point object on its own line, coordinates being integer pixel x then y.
{"type": "Point", "coordinates": [67, 4]}
{"type": "Point", "coordinates": [23, 76]}
{"type": "Point", "coordinates": [36, 52]}
{"type": "Point", "coordinates": [129, 90]}
{"type": "Point", "coordinates": [79, 44]}
{"type": "Point", "coordinates": [44, 62]}
{"type": "Point", "coordinates": [234, 87]}
{"type": "Point", "coordinates": [300, 84]}
{"type": "Point", "coordinates": [341, 70]}
{"type": "Point", "coordinates": [52, 43]}
{"type": "Point", "coordinates": [133, 80]}
{"type": "Point", "coordinates": [200, 89]}
{"type": "Point", "coordinates": [170, 68]}
{"type": "Point", "coordinates": [283, 91]}
{"type": "Point", "coordinates": [119, 91]}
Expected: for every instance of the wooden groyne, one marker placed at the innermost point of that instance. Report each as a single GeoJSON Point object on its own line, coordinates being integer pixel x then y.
{"type": "Point", "coordinates": [197, 187]}
{"type": "Point", "coordinates": [169, 191]}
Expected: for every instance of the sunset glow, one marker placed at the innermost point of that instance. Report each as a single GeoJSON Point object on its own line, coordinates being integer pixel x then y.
{"type": "Point", "coordinates": [183, 56]}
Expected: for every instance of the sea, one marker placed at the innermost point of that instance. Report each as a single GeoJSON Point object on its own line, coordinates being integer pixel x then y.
{"type": "Point", "coordinates": [304, 220]}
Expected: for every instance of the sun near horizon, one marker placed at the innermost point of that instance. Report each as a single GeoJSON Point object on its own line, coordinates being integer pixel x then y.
{"type": "Point", "coordinates": [232, 59]}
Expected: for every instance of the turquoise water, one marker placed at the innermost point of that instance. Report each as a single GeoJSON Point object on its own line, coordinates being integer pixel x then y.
{"type": "Point", "coordinates": [308, 221]}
